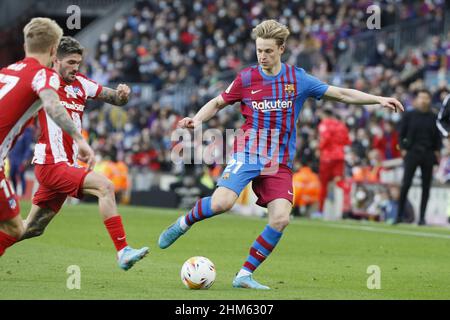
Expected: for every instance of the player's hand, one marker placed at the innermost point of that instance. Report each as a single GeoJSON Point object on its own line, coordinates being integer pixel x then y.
{"type": "Point", "coordinates": [123, 91]}
{"type": "Point", "coordinates": [187, 123]}
{"type": "Point", "coordinates": [392, 104]}
{"type": "Point", "coordinates": [86, 154]}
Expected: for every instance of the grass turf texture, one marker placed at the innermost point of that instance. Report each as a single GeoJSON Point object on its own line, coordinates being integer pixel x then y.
{"type": "Point", "coordinates": [314, 259]}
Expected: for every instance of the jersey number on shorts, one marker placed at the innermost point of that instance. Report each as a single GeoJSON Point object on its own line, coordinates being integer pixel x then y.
{"type": "Point", "coordinates": [7, 83]}
{"type": "Point", "coordinates": [6, 190]}
{"type": "Point", "coordinates": [233, 166]}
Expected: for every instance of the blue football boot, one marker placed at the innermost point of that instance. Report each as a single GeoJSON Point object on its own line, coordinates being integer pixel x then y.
{"type": "Point", "coordinates": [171, 234]}
{"type": "Point", "coordinates": [129, 256]}
{"type": "Point", "coordinates": [249, 283]}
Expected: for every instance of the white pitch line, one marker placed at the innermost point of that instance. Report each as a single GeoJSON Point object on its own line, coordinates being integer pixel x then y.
{"type": "Point", "coordinates": [399, 232]}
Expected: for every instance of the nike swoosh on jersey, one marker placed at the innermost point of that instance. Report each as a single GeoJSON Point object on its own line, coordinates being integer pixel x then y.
{"type": "Point", "coordinates": [256, 91]}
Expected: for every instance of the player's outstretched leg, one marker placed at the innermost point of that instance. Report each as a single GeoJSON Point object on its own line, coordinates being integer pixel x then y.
{"type": "Point", "coordinates": [126, 255]}
{"type": "Point", "coordinates": [101, 187]}
{"type": "Point", "coordinates": [11, 227]}
{"type": "Point", "coordinates": [201, 210]}
{"type": "Point", "coordinates": [222, 200]}
{"type": "Point", "coordinates": [259, 251]}
{"type": "Point", "coordinates": [279, 211]}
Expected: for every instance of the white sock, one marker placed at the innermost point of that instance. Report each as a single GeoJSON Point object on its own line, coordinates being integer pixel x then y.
{"type": "Point", "coordinates": [243, 273]}
{"type": "Point", "coordinates": [120, 252]}
{"type": "Point", "coordinates": [183, 224]}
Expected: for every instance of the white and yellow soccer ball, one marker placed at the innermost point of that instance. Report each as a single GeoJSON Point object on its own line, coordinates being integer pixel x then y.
{"type": "Point", "coordinates": [198, 273]}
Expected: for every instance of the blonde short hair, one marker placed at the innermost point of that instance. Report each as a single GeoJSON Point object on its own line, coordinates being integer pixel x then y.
{"type": "Point", "coordinates": [40, 34]}
{"type": "Point", "coordinates": [271, 29]}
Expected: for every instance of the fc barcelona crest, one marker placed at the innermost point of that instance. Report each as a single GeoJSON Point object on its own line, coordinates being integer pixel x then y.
{"type": "Point", "coordinates": [289, 88]}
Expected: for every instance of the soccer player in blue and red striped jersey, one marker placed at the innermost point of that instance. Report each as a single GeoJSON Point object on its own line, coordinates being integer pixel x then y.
{"type": "Point", "coordinates": [271, 94]}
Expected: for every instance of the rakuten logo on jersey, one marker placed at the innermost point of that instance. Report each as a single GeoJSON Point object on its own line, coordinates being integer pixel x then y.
{"type": "Point", "coordinates": [271, 105]}
{"type": "Point", "coordinates": [73, 106]}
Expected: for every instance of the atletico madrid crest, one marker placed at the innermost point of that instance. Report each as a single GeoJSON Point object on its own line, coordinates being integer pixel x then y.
{"type": "Point", "coordinates": [289, 88]}
{"type": "Point", "coordinates": [12, 204]}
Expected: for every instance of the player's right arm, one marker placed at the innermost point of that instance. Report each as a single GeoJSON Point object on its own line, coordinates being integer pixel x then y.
{"type": "Point", "coordinates": [59, 115]}
{"type": "Point", "coordinates": [117, 97]}
{"type": "Point", "coordinates": [231, 95]}
{"type": "Point", "coordinates": [208, 111]}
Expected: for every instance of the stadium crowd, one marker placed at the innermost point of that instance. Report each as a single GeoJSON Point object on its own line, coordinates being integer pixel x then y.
{"type": "Point", "coordinates": [166, 44]}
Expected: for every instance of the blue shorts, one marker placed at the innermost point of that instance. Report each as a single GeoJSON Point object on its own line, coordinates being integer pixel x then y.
{"type": "Point", "coordinates": [267, 184]}
{"type": "Point", "coordinates": [237, 175]}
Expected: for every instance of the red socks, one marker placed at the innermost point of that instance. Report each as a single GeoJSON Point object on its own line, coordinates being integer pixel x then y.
{"type": "Point", "coordinates": [113, 225]}
{"type": "Point", "coordinates": [116, 231]}
{"type": "Point", "coordinates": [6, 241]}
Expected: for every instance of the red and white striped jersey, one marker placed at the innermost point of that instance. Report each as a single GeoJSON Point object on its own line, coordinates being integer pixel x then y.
{"type": "Point", "coordinates": [20, 85]}
{"type": "Point", "coordinates": [55, 145]}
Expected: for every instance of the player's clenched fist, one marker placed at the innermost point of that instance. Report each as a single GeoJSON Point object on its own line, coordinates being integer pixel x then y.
{"type": "Point", "coordinates": [187, 123]}
{"type": "Point", "coordinates": [123, 91]}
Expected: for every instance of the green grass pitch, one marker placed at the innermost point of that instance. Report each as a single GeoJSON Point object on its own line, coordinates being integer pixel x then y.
{"type": "Point", "coordinates": [314, 260]}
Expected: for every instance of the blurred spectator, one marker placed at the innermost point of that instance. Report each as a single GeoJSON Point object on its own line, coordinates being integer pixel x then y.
{"type": "Point", "coordinates": [306, 185]}
{"type": "Point", "coordinates": [189, 189]}
{"type": "Point", "coordinates": [20, 158]}
{"type": "Point", "coordinates": [389, 206]}
{"type": "Point", "coordinates": [209, 177]}
{"type": "Point", "coordinates": [386, 141]}
{"type": "Point", "coordinates": [421, 144]}
{"type": "Point", "coordinates": [369, 171]}
{"type": "Point", "coordinates": [333, 137]}
{"type": "Point", "coordinates": [361, 202]}
{"type": "Point", "coordinates": [115, 170]}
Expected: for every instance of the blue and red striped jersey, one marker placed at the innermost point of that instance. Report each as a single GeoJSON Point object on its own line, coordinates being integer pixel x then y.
{"type": "Point", "coordinates": [271, 106]}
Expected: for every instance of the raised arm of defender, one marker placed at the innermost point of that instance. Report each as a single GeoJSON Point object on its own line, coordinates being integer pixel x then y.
{"type": "Point", "coordinates": [352, 96]}
{"type": "Point", "coordinates": [208, 111]}
{"type": "Point", "coordinates": [118, 97]}
{"type": "Point", "coordinates": [52, 106]}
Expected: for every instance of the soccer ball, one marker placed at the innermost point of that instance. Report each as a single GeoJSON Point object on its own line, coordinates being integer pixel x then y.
{"type": "Point", "coordinates": [198, 273]}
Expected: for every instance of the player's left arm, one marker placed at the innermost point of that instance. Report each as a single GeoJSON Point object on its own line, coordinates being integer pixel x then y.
{"type": "Point", "coordinates": [352, 96]}
{"type": "Point", "coordinates": [118, 96]}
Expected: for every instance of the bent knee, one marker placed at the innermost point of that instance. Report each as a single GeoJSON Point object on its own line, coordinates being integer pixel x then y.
{"type": "Point", "coordinates": [222, 205]}
{"type": "Point", "coordinates": [106, 188]}
{"type": "Point", "coordinates": [280, 224]}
